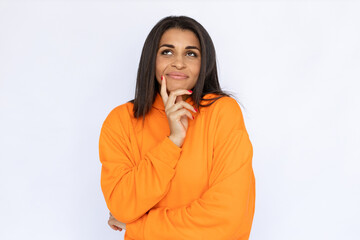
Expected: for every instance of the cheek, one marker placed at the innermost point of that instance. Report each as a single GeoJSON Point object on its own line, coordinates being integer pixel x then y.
{"type": "Point", "coordinates": [160, 66]}
{"type": "Point", "coordinates": [158, 70]}
{"type": "Point", "coordinates": [196, 68]}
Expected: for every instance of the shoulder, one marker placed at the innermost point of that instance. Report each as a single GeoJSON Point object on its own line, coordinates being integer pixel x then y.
{"type": "Point", "coordinates": [119, 116]}
{"type": "Point", "coordinates": [223, 106]}
{"type": "Point", "coordinates": [220, 101]}
{"type": "Point", "coordinates": [224, 103]}
{"type": "Point", "coordinates": [225, 112]}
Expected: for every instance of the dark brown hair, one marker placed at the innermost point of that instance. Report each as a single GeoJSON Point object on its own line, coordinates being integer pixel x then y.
{"type": "Point", "coordinates": [146, 83]}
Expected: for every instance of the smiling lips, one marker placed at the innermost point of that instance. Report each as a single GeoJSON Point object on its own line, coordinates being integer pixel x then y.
{"type": "Point", "coordinates": [177, 75]}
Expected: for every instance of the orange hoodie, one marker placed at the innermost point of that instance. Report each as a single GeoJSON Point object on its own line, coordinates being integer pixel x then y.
{"type": "Point", "coordinates": [203, 190]}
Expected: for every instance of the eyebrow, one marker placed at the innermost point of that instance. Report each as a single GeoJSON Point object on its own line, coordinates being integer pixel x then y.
{"type": "Point", "coordinates": [172, 46]}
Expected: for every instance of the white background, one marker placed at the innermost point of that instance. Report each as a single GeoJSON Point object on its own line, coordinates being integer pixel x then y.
{"type": "Point", "coordinates": [294, 65]}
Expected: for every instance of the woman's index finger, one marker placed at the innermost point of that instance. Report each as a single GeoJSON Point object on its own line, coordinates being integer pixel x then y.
{"type": "Point", "coordinates": [163, 91]}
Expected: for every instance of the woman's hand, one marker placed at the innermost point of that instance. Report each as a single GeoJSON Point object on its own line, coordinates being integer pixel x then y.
{"type": "Point", "coordinates": [177, 112]}
{"type": "Point", "coordinates": [115, 224]}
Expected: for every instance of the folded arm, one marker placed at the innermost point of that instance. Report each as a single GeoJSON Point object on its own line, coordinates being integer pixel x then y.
{"type": "Point", "coordinates": [132, 188]}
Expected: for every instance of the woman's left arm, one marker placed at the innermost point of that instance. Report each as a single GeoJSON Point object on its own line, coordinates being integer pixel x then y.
{"type": "Point", "coordinates": [226, 209]}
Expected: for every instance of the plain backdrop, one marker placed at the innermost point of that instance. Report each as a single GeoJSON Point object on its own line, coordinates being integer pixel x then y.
{"type": "Point", "coordinates": [293, 65]}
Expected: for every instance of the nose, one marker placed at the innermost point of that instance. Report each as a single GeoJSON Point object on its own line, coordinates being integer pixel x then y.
{"type": "Point", "coordinates": [178, 62]}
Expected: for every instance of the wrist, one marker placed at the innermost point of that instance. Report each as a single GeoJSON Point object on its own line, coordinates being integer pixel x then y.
{"type": "Point", "coordinates": [177, 141]}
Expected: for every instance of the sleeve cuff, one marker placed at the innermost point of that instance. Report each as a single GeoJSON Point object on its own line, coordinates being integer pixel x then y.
{"type": "Point", "coordinates": [167, 152]}
{"type": "Point", "coordinates": [135, 230]}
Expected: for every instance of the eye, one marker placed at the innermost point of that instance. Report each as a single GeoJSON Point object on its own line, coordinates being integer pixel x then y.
{"type": "Point", "coordinates": [166, 52]}
{"type": "Point", "coordinates": [191, 54]}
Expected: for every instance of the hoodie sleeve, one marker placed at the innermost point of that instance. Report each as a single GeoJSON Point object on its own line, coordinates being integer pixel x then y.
{"type": "Point", "coordinates": [225, 210]}
{"type": "Point", "coordinates": [131, 188]}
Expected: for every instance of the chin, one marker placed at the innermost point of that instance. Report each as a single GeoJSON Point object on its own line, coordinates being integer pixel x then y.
{"type": "Point", "coordinates": [176, 87]}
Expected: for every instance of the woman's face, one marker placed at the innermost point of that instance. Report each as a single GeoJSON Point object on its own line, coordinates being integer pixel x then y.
{"type": "Point", "coordinates": [178, 59]}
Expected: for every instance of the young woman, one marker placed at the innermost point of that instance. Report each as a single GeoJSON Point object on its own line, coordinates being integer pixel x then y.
{"type": "Point", "coordinates": [177, 160]}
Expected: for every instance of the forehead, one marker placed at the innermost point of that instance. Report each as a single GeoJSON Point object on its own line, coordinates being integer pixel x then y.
{"type": "Point", "coordinates": [179, 37]}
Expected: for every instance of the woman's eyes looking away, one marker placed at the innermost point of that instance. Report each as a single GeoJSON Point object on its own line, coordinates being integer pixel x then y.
{"type": "Point", "coordinates": [170, 52]}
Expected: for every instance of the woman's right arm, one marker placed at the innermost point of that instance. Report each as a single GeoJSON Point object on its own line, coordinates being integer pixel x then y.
{"type": "Point", "coordinates": [132, 188]}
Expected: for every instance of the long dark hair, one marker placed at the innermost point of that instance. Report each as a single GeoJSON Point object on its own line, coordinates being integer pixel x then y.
{"type": "Point", "coordinates": [146, 83]}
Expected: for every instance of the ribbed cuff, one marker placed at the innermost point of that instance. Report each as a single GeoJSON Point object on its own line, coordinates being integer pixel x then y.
{"type": "Point", "coordinates": [167, 152]}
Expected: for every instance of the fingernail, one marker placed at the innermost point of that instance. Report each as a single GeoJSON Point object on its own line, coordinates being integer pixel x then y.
{"type": "Point", "coordinates": [162, 77]}
{"type": "Point", "coordinates": [195, 110]}
{"type": "Point", "coordinates": [190, 91]}
{"type": "Point", "coordinates": [193, 117]}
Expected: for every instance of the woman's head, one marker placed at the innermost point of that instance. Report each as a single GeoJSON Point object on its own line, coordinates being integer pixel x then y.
{"type": "Point", "coordinates": [178, 59]}
{"type": "Point", "coordinates": [170, 50]}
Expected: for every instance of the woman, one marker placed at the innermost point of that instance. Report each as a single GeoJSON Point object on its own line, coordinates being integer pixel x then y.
{"type": "Point", "coordinates": [177, 160]}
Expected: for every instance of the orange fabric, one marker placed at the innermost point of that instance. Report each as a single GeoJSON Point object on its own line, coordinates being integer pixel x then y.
{"type": "Point", "coordinates": [203, 190]}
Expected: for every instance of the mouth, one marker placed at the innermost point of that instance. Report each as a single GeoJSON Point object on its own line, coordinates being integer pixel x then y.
{"type": "Point", "coordinates": [177, 75]}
